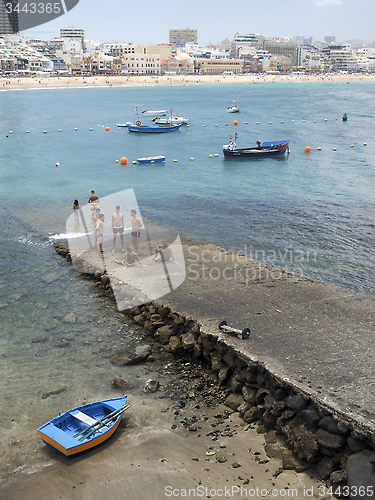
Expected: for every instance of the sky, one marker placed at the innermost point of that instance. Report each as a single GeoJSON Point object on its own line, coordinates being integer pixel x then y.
{"type": "Point", "coordinates": [149, 21]}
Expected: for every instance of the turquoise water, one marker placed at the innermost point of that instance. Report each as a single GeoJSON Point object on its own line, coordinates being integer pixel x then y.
{"type": "Point", "coordinates": [313, 213]}
{"type": "Point", "coordinates": [319, 204]}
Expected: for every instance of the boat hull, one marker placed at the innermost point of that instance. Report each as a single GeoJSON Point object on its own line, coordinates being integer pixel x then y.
{"type": "Point", "coordinates": [151, 159]}
{"type": "Point", "coordinates": [266, 150]}
{"type": "Point", "coordinates": [152, 129]}
{"type": "Point", "coordinates": [150, 112]}
{"type": "Point", "coordinates": [58, 433]}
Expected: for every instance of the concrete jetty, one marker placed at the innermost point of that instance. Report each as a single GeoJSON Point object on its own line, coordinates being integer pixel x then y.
{"type": "Point", "coordinates": [316, 337]}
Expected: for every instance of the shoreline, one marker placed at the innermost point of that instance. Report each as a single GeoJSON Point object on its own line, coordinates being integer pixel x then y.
{"type": "Point", "coordinates": [54, 82]}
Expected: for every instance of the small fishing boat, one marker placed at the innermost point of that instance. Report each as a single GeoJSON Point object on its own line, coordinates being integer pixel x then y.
{"type": "Point", "coordinates": [172, 119]}
{"type": "Point", "coordinates": [151, 159]}
{"type": "Point", "coordinates": [261, 150]}
{"type": "Point", "coordinates": [345, 117]}
{"type": "Point", "coordinates": [161, 112]}
{"type": "Point", "coordinates": [122, 124]}
{"type": "Point", "coordinates": [137, 127]}
{"type": "Point", "coordinates": [233, 108]}
{"type": "Point", "coordinates": [85, 427]}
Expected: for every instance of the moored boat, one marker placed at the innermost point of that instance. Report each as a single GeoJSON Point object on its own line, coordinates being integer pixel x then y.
{"type": "Point", "coordinates": [233, 108]}
{"type": "Point", "coordinates": [261, 150]}
{"type": "Point", "coordinates": [83, 428]}
{"type": "Point", "coordinates": [172, 119]}
{"type": "Point", "coordinates": [159, 112]}
{"type": "Point", "coordinates": [137, 127]}
{"type": "Point", "coordinates": [151, 159]}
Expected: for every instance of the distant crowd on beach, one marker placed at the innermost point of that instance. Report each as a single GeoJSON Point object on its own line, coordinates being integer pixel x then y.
{"type": "Point", "coordinates": [163, 252]}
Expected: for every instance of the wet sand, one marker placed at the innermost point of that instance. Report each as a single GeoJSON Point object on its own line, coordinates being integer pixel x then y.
{"type": "Point", "coordinates": [147, 459]}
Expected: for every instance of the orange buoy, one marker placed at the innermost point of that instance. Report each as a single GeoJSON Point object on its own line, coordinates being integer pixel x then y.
{"type": "Point", "coordinates": [307, 149]}
{"type": "Point", "coordinates": [235, 122]}
{"type": "Point", "coordinates": [123, 160]}
{"type": "Point", "coordinates": [107, 129]}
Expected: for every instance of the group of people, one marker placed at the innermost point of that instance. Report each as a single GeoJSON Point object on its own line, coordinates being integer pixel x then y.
{"type": "Point", "coordinates": [163, 252]}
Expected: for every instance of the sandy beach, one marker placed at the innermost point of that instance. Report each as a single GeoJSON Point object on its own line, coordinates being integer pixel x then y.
{"type": "Point", "coordinates": [143, 80]}
{"type": "Point", "coordinates": [154, 456]}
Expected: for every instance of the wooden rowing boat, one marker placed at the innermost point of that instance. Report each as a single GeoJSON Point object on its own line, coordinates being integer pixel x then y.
{"type": "Point", "coordinates": [83, 428]}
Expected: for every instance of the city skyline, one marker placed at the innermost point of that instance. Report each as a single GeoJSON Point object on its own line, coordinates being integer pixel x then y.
{"type": "Point", "coordinates": [148, 22]}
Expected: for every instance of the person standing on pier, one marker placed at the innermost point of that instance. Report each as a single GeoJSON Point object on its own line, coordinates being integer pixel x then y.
{"type": "Point", "coordinates": [136, 229]}
{"type": "Point", "coordinates": [118, 227]}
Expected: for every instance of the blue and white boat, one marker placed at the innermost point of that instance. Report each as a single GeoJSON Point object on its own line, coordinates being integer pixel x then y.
{"type": "Point", "coordinates": [153, 129]}
{"type": "Point", "coordinates": [261, 150]}
{"type": "Point", "coordinates": [151, 159]}
{"type": "Point", "coordinates": [85, 427]}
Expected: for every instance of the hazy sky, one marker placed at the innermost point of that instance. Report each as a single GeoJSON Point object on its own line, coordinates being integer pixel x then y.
{"type": "Point", "coordinates": [149, 21]}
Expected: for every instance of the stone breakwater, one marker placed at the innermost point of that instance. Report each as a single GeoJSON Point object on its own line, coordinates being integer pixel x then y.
{"type": "Point", "coordinates": [298, 427]}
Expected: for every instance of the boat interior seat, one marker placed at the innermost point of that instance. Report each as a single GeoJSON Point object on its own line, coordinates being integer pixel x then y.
{"type": "Point", "coordinates": [84, 418]}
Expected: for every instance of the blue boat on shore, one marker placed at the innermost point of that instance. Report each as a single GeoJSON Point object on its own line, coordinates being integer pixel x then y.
{"type": "Point", "coordinates": [83, 428]}
{"type": "Point", "coordinates": [153, 129]}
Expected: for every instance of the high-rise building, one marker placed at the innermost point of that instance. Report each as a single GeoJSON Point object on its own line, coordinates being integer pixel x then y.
{"type": "Point", "coordinates": [8, 17]}
{"type": "Point", "coordinates": [72, 32]}
{"type": "Point", "coordinates": [330, 39]}
{"type": "Point", "coordinates": [178, 38]}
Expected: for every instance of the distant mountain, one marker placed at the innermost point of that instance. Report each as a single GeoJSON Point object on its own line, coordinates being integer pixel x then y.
{"type": "Point", "coordinates": [357, 43]}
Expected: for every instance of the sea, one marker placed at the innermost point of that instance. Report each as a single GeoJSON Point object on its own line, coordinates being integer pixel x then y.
{"type": "Point", "coordinates": [310, 212]}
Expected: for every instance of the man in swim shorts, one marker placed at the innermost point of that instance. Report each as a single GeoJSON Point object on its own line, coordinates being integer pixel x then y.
{"type": "Point", "coordinates": [118, 227]}
{"type": "Point", "coordinates": [94, 200]}
{"type": "Point", "coordinates": [129, 258]}
{"type": "Point", "coordinates": [100, 234]}
{"type": "Point", "coordinates": [136, 229]}
{"type": "Point", "coordinates": [163, 253]}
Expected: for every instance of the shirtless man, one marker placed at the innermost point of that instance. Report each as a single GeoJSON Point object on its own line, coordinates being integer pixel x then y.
{"type": "Point", "coordinates": [129, 258]}
{"type": "Point", "coordinates": [136, 229]}
{"type": "Point", "coordinates": [94, 200]}
{"type": "Point", "coordinates": [165, 253]}
{"type": "Point", "coordinates": [100, 234]}
{"type": "Point", "coordinates": [118, 227]}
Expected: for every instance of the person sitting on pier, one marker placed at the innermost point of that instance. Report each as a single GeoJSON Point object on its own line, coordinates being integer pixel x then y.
{"type": "Point", "coordinates": [130, 258]}
{"type": "Point", "coordinates": [163, 253]}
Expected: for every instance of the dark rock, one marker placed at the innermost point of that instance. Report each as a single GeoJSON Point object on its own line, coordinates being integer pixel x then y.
{"type": "Point", "coordinates": [361, 473]}
{"type": "Point", "coordinates": [188, 340]}
{"type": "Point", "coordinates": [248, 394]}
{"type": "Point", "coordinates": [54, 390]}
{"type": "Point", "coordinates": [338, 476]}
{"type": "Point", "coordinates": [128, 354]}
{"type": "Point", "coordinates": [224, 374]}
{"type": "Point", "coordinates": [327, 423]}
{"type": "Point", "coordinates": [290, 462]}
{"type": "Point", "coordinates": [355, 445]}
{"type": "Point", "coordinates": [329, 440]}
{"type": "Point", "coordinates": [296, 402]}
{"type": "Point", "coordinates": [140, 319]}
{"type": "Point", "coordinates": [235, 386]}
{"type": "Point", "coordinates": [311, 416]}
{"type": "Point", "coordinates": [221, 459]}
{"type": "Point", "coordinates": [325, 467]}
{"type": "Point", "coordinates": [151, 385]}
{"type": "Point", "coordinates": [253, 414]}
{"type": "Point", "coordinates": [260, 395]}
{"type": "Point", "coordinates": [119, 383]}
{"type": "Point", "coordinates": [175, 344]}
{"type": "Point", "coordinates": [234, 401]}
{"type": "Point", "coordinates": [164, 333]}
{"type": "Point", "coordinates": [236, 465]}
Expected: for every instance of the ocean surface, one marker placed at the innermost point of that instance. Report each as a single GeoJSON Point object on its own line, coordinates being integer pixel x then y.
{"type": "Point", "coordinates": [313, 213]}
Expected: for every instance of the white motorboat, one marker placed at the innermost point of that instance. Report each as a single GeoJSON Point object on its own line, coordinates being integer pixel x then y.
{"type": "Point", "coordinates": [149, 112]}
{"type": "Point", "coordinates": [177, 119]}
{"type": "Point", "coordinates": [233, 109]}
